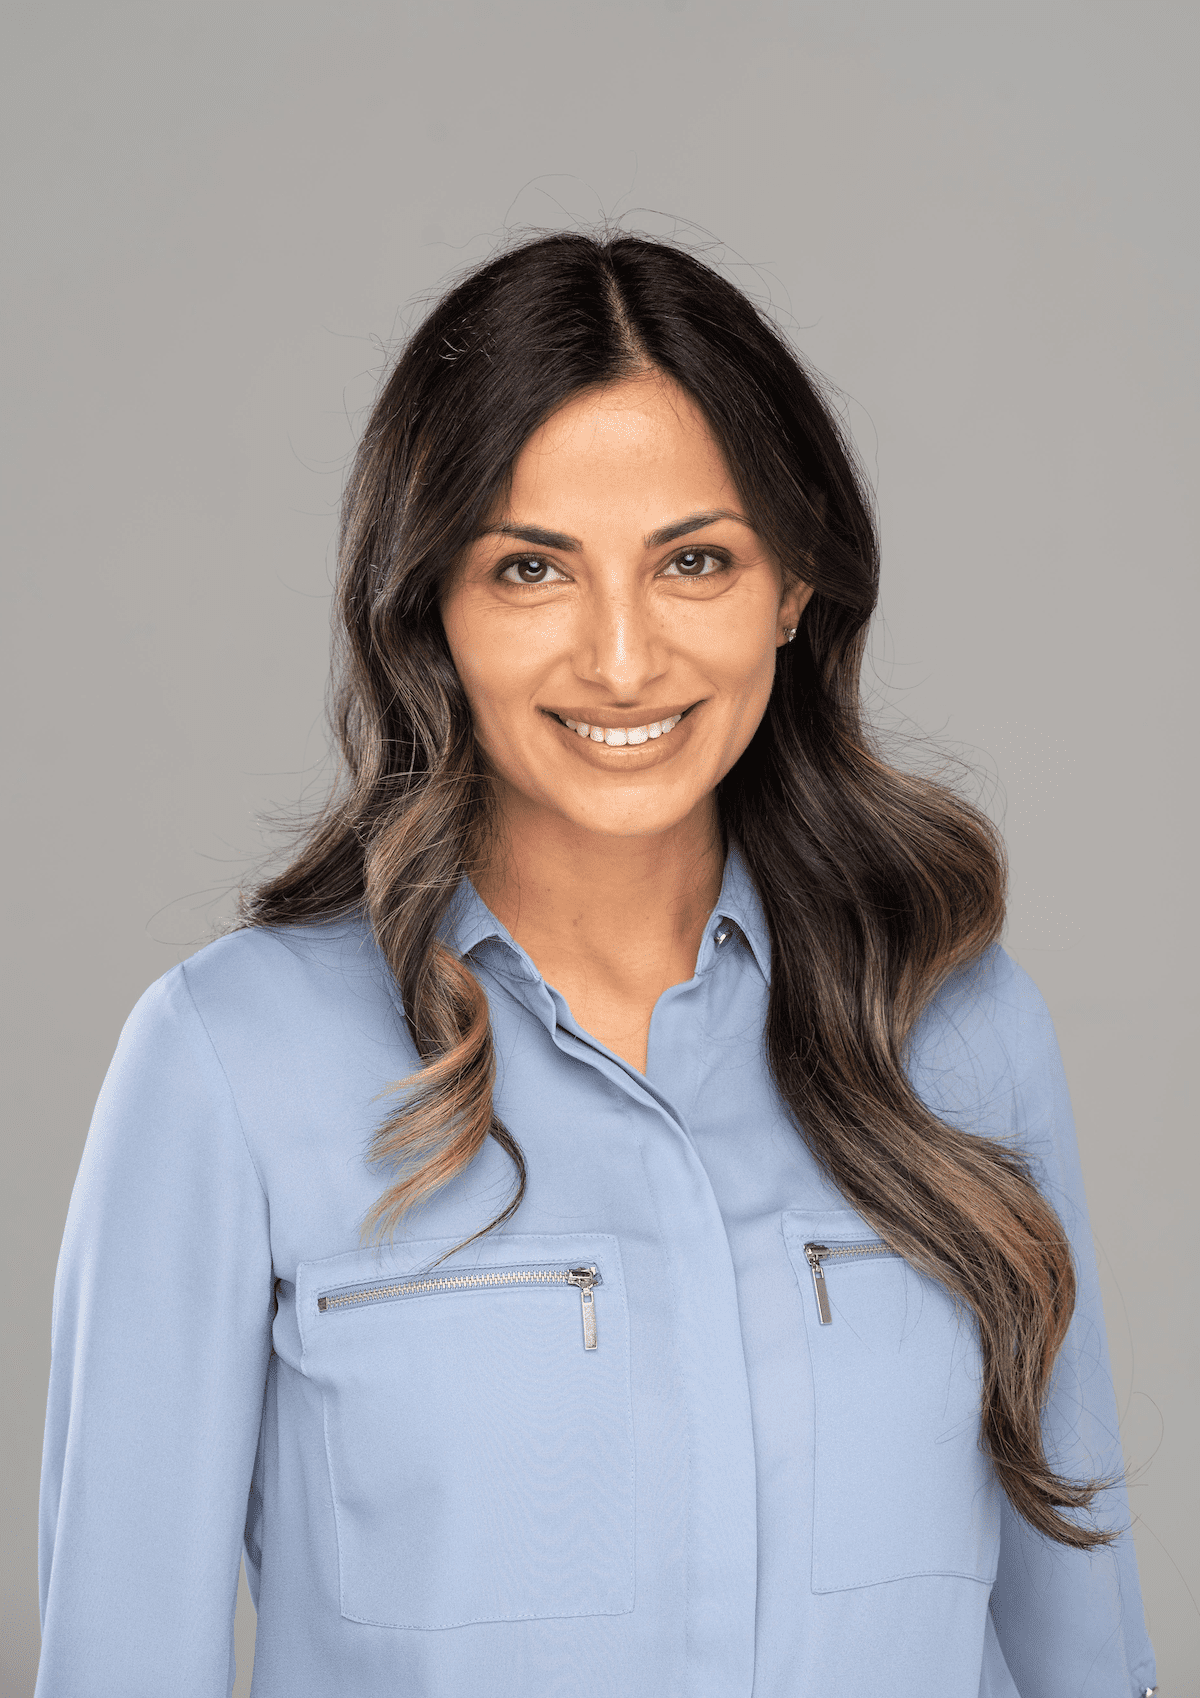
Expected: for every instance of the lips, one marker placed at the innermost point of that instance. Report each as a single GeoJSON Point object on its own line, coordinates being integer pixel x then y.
{"type": "Point", "coordinates": [622, 736]}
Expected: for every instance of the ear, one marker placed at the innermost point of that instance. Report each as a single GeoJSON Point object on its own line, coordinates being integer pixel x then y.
{"type": "Point", "coordinates": [795, 599]}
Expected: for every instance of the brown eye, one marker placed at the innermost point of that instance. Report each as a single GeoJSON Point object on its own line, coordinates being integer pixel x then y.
{"type": "Point", "coordinates": [695, 563]}
{"type": "Point", "coordinates": [531, 570]}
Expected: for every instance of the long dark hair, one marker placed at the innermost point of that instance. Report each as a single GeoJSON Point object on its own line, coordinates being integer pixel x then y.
{"type": "Point", "coordinates": [877, 885]}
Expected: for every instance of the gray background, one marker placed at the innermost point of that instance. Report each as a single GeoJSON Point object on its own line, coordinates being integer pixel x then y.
{"type": "Point", "coordinates": [977, 220]}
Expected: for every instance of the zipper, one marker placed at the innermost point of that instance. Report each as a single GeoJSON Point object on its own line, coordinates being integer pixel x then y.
{"type": "Point", "coordinates": [585, 1279]}
{"type": "Point", "coordinates": [817, 1254]}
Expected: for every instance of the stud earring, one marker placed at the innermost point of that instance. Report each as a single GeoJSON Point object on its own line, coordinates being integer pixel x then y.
{"type": "Point", "coordinates": [789, 632]}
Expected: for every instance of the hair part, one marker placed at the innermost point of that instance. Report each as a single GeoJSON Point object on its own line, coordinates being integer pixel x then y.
{"type": "Point", "coordinates": [877, 885]}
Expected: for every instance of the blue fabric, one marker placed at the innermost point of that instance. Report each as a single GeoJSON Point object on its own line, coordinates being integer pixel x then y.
{"type": "Point", "coordinates": [443, 1491]}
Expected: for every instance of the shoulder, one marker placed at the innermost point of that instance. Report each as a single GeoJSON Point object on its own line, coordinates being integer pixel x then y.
{"type": "Point", "coordinates": [984, 1045]}
{"type": "Point", "coordinates": [261, 993]}
{"type": "Point", "coordinates": [278, 1033]}
{"type": "Point", "coordinates": [259, 969]}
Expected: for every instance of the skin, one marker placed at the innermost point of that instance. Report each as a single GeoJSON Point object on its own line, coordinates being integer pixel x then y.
{"type": "Point", "coordinates": [608, 861]}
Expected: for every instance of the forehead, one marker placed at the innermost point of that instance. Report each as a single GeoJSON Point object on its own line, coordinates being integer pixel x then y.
{"type": "Point", "coordinates": [641, 440]}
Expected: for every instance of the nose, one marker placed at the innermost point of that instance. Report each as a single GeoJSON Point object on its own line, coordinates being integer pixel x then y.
{"type": "Point", "coordinates": [620, 646]}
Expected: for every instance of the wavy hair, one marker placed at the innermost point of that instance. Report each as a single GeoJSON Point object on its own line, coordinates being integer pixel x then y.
{"type": "Point", "coordinates": [877, 884]}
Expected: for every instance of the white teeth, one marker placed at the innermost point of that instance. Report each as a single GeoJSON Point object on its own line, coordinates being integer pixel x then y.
{"type": "Point", "coordinates": [617, 736]}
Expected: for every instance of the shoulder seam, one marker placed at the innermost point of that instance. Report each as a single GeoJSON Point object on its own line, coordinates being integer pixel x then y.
{"type": "Point", "coordinates": [216, 1054]}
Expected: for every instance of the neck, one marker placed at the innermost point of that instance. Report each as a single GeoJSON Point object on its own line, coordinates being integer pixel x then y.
{"type": "Point", "coordinates": [588, 906]}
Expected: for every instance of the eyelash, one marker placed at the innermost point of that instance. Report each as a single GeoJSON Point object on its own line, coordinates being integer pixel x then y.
{"type": "Point", "coordinates": [720, 559]}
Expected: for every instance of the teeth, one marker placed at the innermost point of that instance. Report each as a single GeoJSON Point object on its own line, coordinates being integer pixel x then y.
{"type": "Point", "coordinates": [617, 736]}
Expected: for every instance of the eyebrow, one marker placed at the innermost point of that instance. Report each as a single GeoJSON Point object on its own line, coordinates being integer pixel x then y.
{"type": "Point", "coordinates": [534, 534]}
{"type": "Point", "coordinates": [693, 522]}
{"type": "Point", "coordinates": [571, 545]}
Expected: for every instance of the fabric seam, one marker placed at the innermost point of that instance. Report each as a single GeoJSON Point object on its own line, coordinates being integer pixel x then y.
{"type": "Point", "coordinates": [233, 1103]}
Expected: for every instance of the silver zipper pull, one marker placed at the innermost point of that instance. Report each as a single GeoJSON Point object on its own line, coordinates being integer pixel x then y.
{"type": "Point", "coordinates": [585, 1279]}
{"type": "Point", "coordinates": [812, 1255]}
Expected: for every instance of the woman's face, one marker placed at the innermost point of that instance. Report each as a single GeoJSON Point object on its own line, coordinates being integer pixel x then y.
{"type": "Point", "coordinates": [622, 589]}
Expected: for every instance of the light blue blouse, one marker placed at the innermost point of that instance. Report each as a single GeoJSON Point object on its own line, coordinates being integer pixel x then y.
{"type": "Point", "coordinates": [615, 1448]}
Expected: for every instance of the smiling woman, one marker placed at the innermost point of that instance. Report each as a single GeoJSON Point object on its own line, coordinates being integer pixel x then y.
{"type": "Point", "coordinates": [781, 1369]}
{"type": "Point", "coordinates": [659, 659]}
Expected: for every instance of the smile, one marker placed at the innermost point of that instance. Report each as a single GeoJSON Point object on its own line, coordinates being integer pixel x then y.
{"type": "Point", "coordinates": [619, 736]}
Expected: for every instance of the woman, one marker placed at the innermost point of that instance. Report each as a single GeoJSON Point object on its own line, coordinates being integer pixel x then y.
{"type": "Point", "coordinates": [610, 1221]}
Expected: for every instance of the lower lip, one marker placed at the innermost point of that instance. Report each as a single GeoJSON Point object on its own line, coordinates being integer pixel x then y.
{"type": "Point", "coordinates": [610, 755]}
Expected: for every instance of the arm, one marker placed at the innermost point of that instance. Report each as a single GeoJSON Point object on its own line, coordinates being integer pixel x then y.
{"type": "Point", "coordinates": [160, 1341]}
{"type": "Point", "coordinates": [1069, 1622]}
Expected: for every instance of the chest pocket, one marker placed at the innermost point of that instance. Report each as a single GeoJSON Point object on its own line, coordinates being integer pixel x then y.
{"type": "Point", "coordinates": [901, 1484]}
{"type": "Point", "coordinates": [478, 1427]}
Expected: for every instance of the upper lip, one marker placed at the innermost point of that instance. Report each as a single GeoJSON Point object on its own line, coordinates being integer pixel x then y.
{"type": "Point", "coordinates": [607, 719]}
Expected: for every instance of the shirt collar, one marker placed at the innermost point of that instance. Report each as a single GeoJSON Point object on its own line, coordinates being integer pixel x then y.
{"type": "Point", "coordinates": [739, 901]}
{"type": "Point", "coordinates": [469, 921]}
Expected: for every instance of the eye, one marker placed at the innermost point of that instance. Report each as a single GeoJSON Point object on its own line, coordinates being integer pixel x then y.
{"type": "Point", "coordinates": [695, 563]}
{"type": "Point", "coordinates": [531, 569]}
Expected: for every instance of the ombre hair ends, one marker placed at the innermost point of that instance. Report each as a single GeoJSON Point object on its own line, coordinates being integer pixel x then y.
{"type": "Point", "coordinates": [877, 885]}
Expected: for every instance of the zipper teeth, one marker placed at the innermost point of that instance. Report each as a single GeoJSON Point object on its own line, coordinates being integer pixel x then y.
{"type": "Point", "coordinates": [447, 1282]}
{"type": "Point", "coordinates": [818, 1254]}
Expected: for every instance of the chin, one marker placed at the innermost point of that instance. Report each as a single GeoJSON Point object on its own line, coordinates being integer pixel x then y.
{"type": "Point", "coordinates": [632, 820]}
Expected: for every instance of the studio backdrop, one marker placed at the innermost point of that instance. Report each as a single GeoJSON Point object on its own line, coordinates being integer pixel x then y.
{"type": "Point", "coordinates": [974, 221]}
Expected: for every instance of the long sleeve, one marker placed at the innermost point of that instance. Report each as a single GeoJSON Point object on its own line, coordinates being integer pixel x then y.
{"type": "Point", "coordinates": [160, 1342]}
{"type": "Point", "coordinates": [1069, 1623]}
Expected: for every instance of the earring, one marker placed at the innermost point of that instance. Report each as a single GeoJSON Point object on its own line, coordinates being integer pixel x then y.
{"type": "Point", "coordinates": [789, 632]}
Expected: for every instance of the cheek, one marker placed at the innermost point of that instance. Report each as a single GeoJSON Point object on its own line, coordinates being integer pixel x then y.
{"type": "Point", "coordinates": [494, 722]}
{"type": "Point", "coordinates": [739, 653]}
{"type": "Point", "coordinates": [477, 679]}
{"type": "Point", "coordinates": [488, 665]}
{"type": "Point", "coordinates": [740, 661]}
{"type": "Point", "coordinates": [497, 674]}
